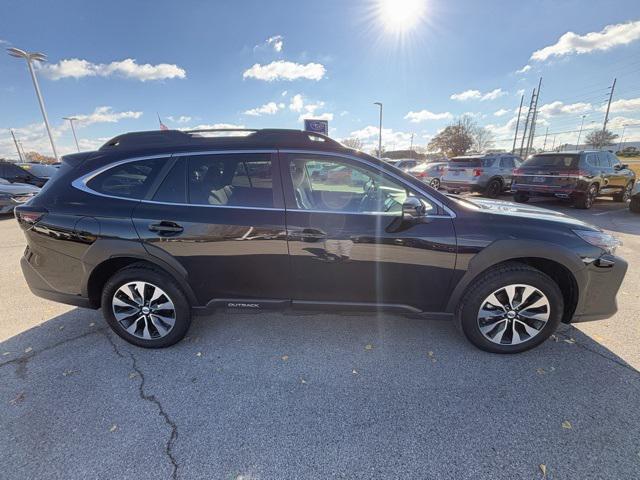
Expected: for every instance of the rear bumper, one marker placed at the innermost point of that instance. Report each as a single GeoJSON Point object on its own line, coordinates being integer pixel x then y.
{"type": "Point", "coordinates": [598, 296]}
{"type": "Point", "coordinates": [450, 186]}
{"type": "Point", "coordinates": [41, 288]}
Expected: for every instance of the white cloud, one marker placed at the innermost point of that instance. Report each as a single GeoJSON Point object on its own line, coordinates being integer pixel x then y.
{"type": "Point", "coordinates": [609, 37]}
{"type": "Point", "coordinates": [128, 68]}
{"type": "Point", "coordinates": [501, 112]}
{"type": "Point", "coordinates": [556, 108]}
{"type": "Point", "coordinates": [284, 70]}
{"type": "Point", "coordinates": [624, 105]}
{"type": "Point", "coordinates": [618, 123]}
{"type": "Point", "coordinates": [422, 115]}
{"type": "Point", "coordinates": [390, 139]}
{"type": "Point", "coordinates": [296, 103]}
{"type": "Point", "coordinates": [478, 95]}
{"type": "Point", "coordinates": [524, 69]}
{"type": "Point", "coordinates": [277, 42]}
{"type": "Point", "coordinates": [284, 93]}
{"type": "Point", "coordinates": [308, 110]}
{"type": "Point", "coordinates": [180, 119]}
{"type": "Point", "coordinates": [104, 115]}
{"type": "Point", "coordinates": [4, 42]}
{"type": "Point", "coordinates": [319, 116]}
{"type": "Point", "coordinates": [214, 126]}
{"type": "Point", "coordinates": [270, 108]}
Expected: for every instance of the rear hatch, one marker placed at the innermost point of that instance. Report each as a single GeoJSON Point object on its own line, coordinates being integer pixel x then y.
{"type": "Point", "coordinates": [463, 169]}
{"type": "Point", "coordinates": [548, 171]}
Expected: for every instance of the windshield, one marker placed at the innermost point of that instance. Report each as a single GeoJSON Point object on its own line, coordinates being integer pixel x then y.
{"type": "Point", "coordinates": [40, 170]}
{"type": "Point", "coordinates": [558, 161]}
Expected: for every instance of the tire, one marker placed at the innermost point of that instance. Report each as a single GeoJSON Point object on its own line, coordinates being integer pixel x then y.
{"type": "Point", "coordinates": [493, 188]}
{"type": "Point", "coordinates": [538, 288]}
{"type": "Point", "coordinates": [521, 197]}
{"type": "Point", "coordinates": [150, 330]}
{"type": "Point", "coordinates": [585, 200]}
{"type": "Point", "coordinates": [625, 194]}
{"type": "Point", "coordinates": [435, 183]}
{"type": "Point", "coordinates": [634, 205]}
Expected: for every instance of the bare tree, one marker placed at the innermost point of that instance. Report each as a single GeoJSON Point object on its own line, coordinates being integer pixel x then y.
{"type": "Point", "coordinates": [455, 139]}
{"type": "Point", "coordinates": [353, 142]}
{"type": "Point", "coordinates": [600, 138]}
{"type": "Point", "coordinates": [482, 139]}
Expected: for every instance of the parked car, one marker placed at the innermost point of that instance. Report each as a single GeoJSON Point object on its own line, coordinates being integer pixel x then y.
{"type": "Point", "coordinates": [430, 173]}
{"type": "Point", "coordinates": [406, 164]}
{"type": "Point", "coordinates": [634, 204]}
{"type": "Point", "coordinates": [131, 229]}
{"type": "Point", "coordinates": [14, 194]}
{"type": "Point", "coordinates": [490, 174]}
{"type": "Point", "coordinates": [579, 176]}
{"type": "Point", "coordinates": [14, 174]}
{"type": "Point", "coordinates": [40, 170]}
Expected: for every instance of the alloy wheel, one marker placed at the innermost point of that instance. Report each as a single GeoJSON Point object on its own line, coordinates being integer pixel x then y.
{"type": "Point", "coordinates": [435, 183]}
{"type": "Point", "coordinates": [591, 195]}
{"type": "Point", "coordinates": [513, 314]}
{"type": "Point", "coordinates": [144, 310]}
{"type": "Point", "coordinates": [626, 194]}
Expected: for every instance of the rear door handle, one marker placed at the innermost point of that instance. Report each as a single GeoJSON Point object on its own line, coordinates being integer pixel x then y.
{"type": "Point", "coordinates": [166, 227]}
{"type": "Point", "coordinates": [308, 234]}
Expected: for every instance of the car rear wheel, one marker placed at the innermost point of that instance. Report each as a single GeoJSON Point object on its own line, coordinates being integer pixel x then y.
{"type": "Point", "coordinates": [494, 188]}
{"type": "Point", "coordinates": [145, 307]}
{"type": "Point", "coordinates": [625, 194]}
{"type": "Point", "coordinates": [585, 201]}
{"type": "Point", "coordinates": [521, 197]}
{"type": "Point", "coordinates": [435, 183]}
{"type": "Point", "coordinates": [634, 205]}
{"type": "Point", "coordinates": [510, 309]}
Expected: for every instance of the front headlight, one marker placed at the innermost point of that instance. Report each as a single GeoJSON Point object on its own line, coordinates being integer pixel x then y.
{"type": "Point", "coordinates": [605, 241]}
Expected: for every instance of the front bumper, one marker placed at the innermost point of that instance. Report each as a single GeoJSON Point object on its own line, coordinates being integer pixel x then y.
{"type": "Point", "coordinates": [603, 278]}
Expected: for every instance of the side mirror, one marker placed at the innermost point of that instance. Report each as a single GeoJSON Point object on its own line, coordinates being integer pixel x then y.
{"type": "Point", "coordinates": [412, 208]}
{"type": "Point", "coordinates": [624, 166]}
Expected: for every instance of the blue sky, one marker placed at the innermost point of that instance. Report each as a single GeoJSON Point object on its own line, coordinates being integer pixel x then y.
{"type": "Point", "coordinates": [270, 64]}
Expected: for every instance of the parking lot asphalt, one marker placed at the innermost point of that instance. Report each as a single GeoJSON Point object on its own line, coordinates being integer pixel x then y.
{"type": "Point", "coordinates": [316, 395]}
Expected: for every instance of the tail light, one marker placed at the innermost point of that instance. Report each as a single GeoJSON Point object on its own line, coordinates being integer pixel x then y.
{"type": "Point", "coordinates": [517, 171]}
{"type": "Point", "coordinates": [477, 172]}
{"type": "Point", "coordinates": [28, 216]}
{"type": "Point", "coordinates": [421, 174]}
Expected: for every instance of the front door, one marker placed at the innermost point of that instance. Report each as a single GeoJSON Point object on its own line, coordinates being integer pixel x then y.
{"type": "Point", "coordinates": [348, 243]}
{"type": "Point", "coordinates": [221, 216]}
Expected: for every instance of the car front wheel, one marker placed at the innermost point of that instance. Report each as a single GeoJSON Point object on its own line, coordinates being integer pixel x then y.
{"type": "Point", "coordinates": [634, 205]}
{"type": "Point", "coordinates": [145, 307]}
{"type": "Point", "coordinates": [625, 194]}
{"type": "Point", "coordinates": [510, 309]}
{"type": "Point", "coordinates": [521, 197]}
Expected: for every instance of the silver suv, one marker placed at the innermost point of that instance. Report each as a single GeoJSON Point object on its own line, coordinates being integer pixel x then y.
{"type": "Point", "coordinates": [490, 174]}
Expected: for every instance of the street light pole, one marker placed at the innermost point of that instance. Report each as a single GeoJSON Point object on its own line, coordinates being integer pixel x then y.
{"type": "Point", "coordinates": [17, 146]}
{"type": "Point", "coordinates": [71, 119]}
{"type": "Point", "coordinates": [580, 133]}
{"type": "Point", "coordinates": [624, 127]}
{"type": "Point", "coordinates": [39, 57]}
{"type": "Point", "coordinates": [379, 131]}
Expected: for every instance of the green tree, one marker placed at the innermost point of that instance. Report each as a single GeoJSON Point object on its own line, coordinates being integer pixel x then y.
{"type": "Point", "coordinates": [455, 139]}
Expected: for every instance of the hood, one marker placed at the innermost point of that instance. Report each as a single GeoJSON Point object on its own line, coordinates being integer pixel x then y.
{"type": "Point", "coordinates": [519, 210]}
{"type": "Point", "coordinates": [18, 188]}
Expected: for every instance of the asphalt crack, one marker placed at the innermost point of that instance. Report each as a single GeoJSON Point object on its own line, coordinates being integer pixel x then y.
{"type": "Point", "coordinates": [168, 449]}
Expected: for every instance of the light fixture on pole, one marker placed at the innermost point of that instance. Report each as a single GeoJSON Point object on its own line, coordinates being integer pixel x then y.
{"type": "Point", "coordinates": [379, 131]}
{"type": "Point", "coordinates": [38, 57]}
{"type": "Point", "coordinates": [71, 119]}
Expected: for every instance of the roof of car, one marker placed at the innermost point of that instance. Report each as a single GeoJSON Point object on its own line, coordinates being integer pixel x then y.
{"type": "Point", "coordinates": [220, 138]}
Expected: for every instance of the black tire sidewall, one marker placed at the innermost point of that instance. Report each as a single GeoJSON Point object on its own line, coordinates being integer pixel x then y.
{"type": "Point", "coordinates": [131, 274]}
{"type": "Point", "coordinates": [482, 288]}
{"type": "Point", "coordinates": [490, 191]}
{"type": "Point", "coordinates": [521, 197]}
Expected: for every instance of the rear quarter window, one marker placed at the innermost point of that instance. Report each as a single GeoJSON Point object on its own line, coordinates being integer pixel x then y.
{"type": "Point", "coordinates": [128, 180]}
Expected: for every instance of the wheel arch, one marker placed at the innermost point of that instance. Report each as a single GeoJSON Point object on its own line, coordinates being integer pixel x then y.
{"type": "Point", "coordinates": [561, 264]}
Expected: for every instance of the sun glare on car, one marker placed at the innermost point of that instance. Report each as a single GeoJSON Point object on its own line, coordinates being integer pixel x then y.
{"type": "Point", "coordinates": [399, 16]}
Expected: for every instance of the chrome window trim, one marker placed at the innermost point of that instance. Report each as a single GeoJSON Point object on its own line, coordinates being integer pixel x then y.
{"type": "Point", "coordinates": [451, 213]}
{"type": "Point", "coordinates": [80, 183]}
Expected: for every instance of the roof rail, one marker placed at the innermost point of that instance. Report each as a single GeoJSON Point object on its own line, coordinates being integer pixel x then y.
{"type": "Point", "coordinates": [266, 136]}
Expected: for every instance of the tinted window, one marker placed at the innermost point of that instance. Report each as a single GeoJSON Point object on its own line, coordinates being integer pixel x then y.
{"type": "Point", "coordinates": [129, 180]}
{"type": "Point", "coordinates": [471, 162]}
{"type": "Point", "coordinates": [613, 159]}
{"type": "Point", "coordinates": [603, 160]}
{"type": "Point", "coordinates": [557, 161]}
{"type": "Point", "coordinates": [241, 180]}
{"type": "Point", "coordinates": [506, 163]}
{"type": "Point", "coordinates": [328, 184]}
{"type": "Point", "coordinates": [173, 188]}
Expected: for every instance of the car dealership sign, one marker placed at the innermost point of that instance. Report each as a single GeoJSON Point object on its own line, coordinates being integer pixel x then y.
{"type": "Point", "coordinates": [317, 126]}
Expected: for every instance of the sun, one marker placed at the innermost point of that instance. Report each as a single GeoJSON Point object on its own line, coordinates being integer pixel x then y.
{"type": "Point", "coordinates": [401, 16]}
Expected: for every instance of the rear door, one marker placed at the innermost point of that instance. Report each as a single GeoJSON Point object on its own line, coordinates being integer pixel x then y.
{"type": "Point", "coordinates": [506, 170]}
{"type": "Point", "coordinates": [221, 216]}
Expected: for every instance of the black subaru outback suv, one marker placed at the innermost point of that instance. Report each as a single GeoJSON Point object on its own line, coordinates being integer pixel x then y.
{"type": "Point", "coordinates": [156, 226]}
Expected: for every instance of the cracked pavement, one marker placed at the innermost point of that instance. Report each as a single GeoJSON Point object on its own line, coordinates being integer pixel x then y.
{"type": "Point", "coordinates": [299, 395]}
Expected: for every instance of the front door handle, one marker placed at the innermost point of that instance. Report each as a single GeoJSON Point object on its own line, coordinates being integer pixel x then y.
{"type": "Point", "coordinates": [165, 227]}
{"type": "Point", "coordinates": [308, 234]}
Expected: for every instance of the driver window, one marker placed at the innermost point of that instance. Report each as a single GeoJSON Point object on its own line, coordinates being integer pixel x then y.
{"type": "Point", "coordinates": [330, 184]}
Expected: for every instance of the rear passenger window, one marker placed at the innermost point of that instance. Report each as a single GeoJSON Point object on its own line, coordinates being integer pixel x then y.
{"type": "Point", "coordinates": [506, 163]}
{"type": "Point", "coordinates": [240, 180]}
{"type": "Point", "coordinates": [129, 180]}
{"type": "Point", "coordinates": [603, 160]}
{"type": "Point", "coordinates": [173, 188]}
{"type": "Point", "coordinates": [592, 159]}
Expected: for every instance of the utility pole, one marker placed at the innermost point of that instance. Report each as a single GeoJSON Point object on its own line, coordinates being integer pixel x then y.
{"type": "Point", "coordinates": [71, 120]}
{"type": "Point", "coordinates": [624, 127]}
{"type": "Point", "coordinates": [545, 139]}
{"type": "Point", "coordinates": [17, 147]}
{"type": "Point", "coordinates": [580, 133]}
{"type": "Point", "coordinates": [513, 149]}
{"type": "Point", "coordinates": [554, 143]}
{"type": "Point", "coordinates": [379, 131]}
{"type": "Point", "coordinates": [606, 115]}
{"type": "Point", "coordinates": [532, 131]}
{"type": "Point", "coordinates": [411, 147]}
{"type": "Point", "coordinates": [526, 121]}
